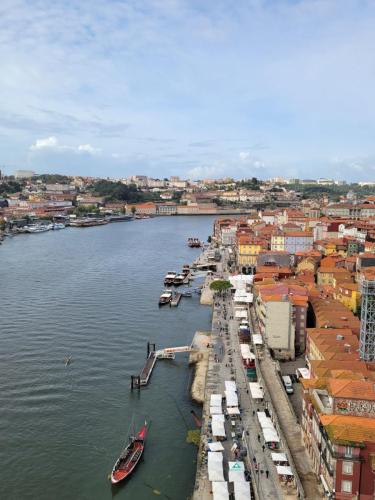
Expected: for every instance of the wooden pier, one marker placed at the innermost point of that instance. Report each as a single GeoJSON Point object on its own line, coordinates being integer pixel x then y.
{"type": "Point", "coordinates": [176, 299]}
{"type": "Point", "coordinates": [141, 380]}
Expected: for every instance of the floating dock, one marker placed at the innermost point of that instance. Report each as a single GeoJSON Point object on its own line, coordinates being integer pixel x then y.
{"type": "Point", "coordinates": [176, 299]}
{"type": "Point", "coordinates": [141, 380]}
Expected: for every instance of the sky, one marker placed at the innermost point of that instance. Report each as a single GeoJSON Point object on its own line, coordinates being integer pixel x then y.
{"type": "Point", "coordinates": [195, 88]}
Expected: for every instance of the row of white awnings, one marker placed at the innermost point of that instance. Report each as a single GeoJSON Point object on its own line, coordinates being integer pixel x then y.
{"type": "Point", "coordinates": [256, 390]}
{"type": "Point", "coordinates": [245, 352]}
{"type": "Point", "coordinates": [241, 490]}
{"type": "Point", "coordinates": [269, 432]}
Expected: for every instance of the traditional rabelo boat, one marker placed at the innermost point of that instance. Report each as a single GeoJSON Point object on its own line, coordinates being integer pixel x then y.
{"type": "Point", "coordinates": [130, 456]}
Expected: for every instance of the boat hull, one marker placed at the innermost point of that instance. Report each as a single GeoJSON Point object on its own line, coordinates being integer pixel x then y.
{"type": "Point", "coordinates": [130, 457]}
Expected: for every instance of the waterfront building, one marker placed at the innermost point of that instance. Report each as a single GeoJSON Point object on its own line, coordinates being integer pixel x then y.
{"type": "Point", "coordinates": [148, 208]}
{"type": "Point", "coordinates": [248, 248]}
{"type": "Point", "coordinates": [338, 423]}
{"type": "Point", "coordinates": [167, 208]}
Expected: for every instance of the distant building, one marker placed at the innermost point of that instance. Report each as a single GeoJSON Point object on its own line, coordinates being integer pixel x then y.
{"type": "Point", "coordinates": [24, 174]}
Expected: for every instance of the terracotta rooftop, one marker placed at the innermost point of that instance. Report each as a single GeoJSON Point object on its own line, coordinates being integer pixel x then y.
{"type": "Point", "coordinates": [343, 429]}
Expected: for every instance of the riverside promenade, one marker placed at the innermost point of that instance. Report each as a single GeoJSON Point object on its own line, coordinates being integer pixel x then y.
{"type": "Point", "coordinates": [225, 363]}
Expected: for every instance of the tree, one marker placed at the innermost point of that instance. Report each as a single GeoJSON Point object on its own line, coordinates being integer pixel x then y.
{"type": "Point", "coordinates": [220, 286]}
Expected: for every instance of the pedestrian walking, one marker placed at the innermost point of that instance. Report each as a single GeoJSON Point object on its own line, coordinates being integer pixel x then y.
{"type": "Point", "coordinates": [253, 413]}
{"type": "Point", "coordinates": [254, 460]}
{"type": "Point", "coordinates": [261, 471]}
{"type": "Point", "coordinates": [267, 473]}
{"type": "Point", "coordinates": [263, 448]}
{"type": "Point", "coordinates": [259, 438]}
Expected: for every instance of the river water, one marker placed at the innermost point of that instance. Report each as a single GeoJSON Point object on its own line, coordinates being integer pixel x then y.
{"type": "Point", "coordinates": [93, 294]}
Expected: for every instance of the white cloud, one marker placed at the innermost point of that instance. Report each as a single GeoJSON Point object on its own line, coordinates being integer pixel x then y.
{"type": "Point", "coordinates": [52, 144]}
{"type": "Point", "coordinates": [49, 142]}
{"type": "Point", "coordinates": [244, 155]}
{"type": "Point", "coordinates": [87, 148]}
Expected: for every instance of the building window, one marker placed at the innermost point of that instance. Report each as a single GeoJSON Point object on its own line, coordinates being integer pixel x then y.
{"type": "Point", "coordinates": [348, 451]}
{"type": "Point", "coordinates": [347, 468]}
{"type": "Point", "coordinates": [346, 486]}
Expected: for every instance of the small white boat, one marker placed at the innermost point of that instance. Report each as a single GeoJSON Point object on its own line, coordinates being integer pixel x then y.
{"type": "Point", "coordinates": [165, 297]}
{"type": "Point", "coordinates": [58, 225]}
{"type": "Point", "coordinates": [37, 228]}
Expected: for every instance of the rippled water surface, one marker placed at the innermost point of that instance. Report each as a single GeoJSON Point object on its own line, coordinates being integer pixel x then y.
{"type": "Point", "coordinates": [93, 294]}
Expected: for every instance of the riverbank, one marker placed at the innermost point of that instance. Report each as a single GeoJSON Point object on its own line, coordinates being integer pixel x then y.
{"type": "Point", "coordinates": [201, 346]}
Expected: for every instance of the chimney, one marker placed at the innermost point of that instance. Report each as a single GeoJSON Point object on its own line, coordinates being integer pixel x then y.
{"type": "Point", "coordinates": [347, 347]}
{"type": "Point", "coordinates": [340, 337]}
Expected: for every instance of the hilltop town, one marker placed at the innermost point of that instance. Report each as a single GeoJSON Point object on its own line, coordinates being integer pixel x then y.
{"type": "Point", "coordinates": [47, 196]}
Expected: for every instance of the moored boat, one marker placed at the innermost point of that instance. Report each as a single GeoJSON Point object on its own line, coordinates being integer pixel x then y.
{"type": "Point", "coordinates": [58, 225]}
{"type": "Point", "coordinates": [165, 297]}
{"type": "Point", "coordinates": [37, 228]}
{"type": "Point", "coordinates": [169, 278]}
{"type": "Point", "coordinates": [179, 280]}
{"type": "Point", "coordinates": [130, 456]}
{"type": "Point", "coordinates": [194, 243]}
{"type": "Point", "coordinates": [185, 270]}
{"type": "Point", "coordinates": [120, 218]}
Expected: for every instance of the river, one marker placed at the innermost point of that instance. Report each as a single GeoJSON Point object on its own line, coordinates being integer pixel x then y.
{"type": "Point", "coordinates": [93, 294]}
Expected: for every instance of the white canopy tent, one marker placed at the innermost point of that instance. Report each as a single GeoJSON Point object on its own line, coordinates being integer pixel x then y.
{"type": "Point", "coordinates": [242, 297]}
{"type": "Point", "coordinates": [232, 398]}
{"type": "Point", "coordinates": [216, 410]}
{"type": "Point", "coordinates": [270, 435]}
{"type": "Point", "coordinates": [220, 490]}
{"type": "Point", "coordinates": [279, 457]}
{"type": "Point", "coordinates": [215, 466]}
{"type": "Point", "coordinates": [240, 281]}
{"type": "Point", "coordinates": [242, 490]}
{"type": "Point", "coordinates": [217, 446]}
{"type": "Point", "coordinates": [245, 352]}
{"type": "Point", "coordinates": [256, 390]}
{"type": "Point", "coordinates": [257, 339]}
{"type": "Point", "coordinates": [215, 399]}
{"type": "Point", "coordinates": [233, 410]}
{"type": "Point", "coordinates": [218, 429]}
{"type": "Point", "coordinates": [230, 385]}
{"type": "Point", "coordinates": [284, 470]}
{"type": "Point", "coordinates": [241, 314]}
{"type": "Point", "coordinates": [236, 471]}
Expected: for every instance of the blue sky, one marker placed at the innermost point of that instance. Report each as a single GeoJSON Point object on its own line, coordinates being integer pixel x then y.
{"type": "Point", "coordinates": [192, 88]}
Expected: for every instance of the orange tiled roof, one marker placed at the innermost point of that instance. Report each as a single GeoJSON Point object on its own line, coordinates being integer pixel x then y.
{"type": "Point", "coordinates": [343, 429]}
{"type": "Point", "coordinates": [352, 389]}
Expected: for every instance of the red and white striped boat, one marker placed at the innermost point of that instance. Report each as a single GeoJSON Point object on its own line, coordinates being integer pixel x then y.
{"type": "Point", "coordinates": [130, 456]}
